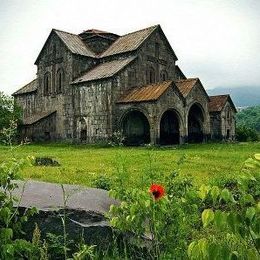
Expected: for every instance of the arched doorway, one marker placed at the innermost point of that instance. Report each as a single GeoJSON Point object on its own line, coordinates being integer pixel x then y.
{"type": "Point", "coordinates": [195, 124]}
{"type": "Point", "coordinates": [169, 128]}
{"type": "Point", "coordinates": [136, 128]}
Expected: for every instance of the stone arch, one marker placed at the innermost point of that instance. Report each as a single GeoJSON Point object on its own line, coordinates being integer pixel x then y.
{"type": "Point", "coordinates": [196, 119]}
{"type": "Point", "coordinates": [170, 127]}
{"type": "Point", "coordinates": [136, 127]}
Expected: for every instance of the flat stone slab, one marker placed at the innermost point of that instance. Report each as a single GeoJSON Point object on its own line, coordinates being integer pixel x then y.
{"type": "Point", "coordinates": [85, 209]}
{"type": "Point", "coordinates": [49, 196]}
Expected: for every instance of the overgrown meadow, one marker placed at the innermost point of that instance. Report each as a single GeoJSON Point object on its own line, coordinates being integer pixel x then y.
{"type": "Point", "coordinates": [182, 202]}
{"type": "Point", "coordinates": [83, 164]}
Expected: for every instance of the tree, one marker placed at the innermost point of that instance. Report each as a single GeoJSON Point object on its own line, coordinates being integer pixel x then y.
{"type": "Point", "coordinates": [9, 112]}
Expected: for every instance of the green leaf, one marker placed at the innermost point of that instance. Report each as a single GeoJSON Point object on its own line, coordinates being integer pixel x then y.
{"type": "Point", "coordinates": [225, 195]}
{"type": "Point", "coordinates": [190, 248]}
{"type": "Point", "coordinates": [250, 213]}
{"type": "Point", "coordinates": [207, 217]}
{"type": "Point", "coordinates": [214, 193]}
{"type": "Point", "coordinates": [203, 191]}
{"type": "Point", "coordinates": [220, 219]}
{"type": "Point", "coordinates": [203, 247]}
{"type": "Point", "coordinates": [257, 156]}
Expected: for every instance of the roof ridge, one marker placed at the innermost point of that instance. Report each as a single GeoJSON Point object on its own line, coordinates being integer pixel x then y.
{"type": "Point", "coordinates": [150, 27]}
{"type": "Point", "coordinates": [64, 32]}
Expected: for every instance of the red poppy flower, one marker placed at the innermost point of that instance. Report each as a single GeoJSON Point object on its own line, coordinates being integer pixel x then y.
{"type": "Point", "coordinates": [157, 191]}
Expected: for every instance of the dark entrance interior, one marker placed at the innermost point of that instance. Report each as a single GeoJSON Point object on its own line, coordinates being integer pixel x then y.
{"type": "Point", "coordinates": [136, 129]}
{"type": "Point", "coordinates": [169, 128]}
{"type": "Point", "coordinates": [195, 123]}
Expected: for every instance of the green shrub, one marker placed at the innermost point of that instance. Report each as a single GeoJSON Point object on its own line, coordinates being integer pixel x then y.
{"type": "Point", "coordinates": [245, 134]}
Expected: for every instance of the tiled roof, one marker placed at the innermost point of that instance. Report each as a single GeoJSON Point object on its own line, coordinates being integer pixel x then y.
{"type": "Point", "coordinates": [217, 103]}
{"type": "Point", "coordinates": [28, 88]}
{"type": "Point", "coordinates": [37, 117]}
{"type": "Point", "coordinates": [186, 85]}
{"type": "Point", "coordinates": [128, 42]}
{"type": "Point", "coordinates": [104, 70]}
{"type": "Point", "coordinates": [146, 93]}
{"type": "Point", "coordinates": [74, 43]}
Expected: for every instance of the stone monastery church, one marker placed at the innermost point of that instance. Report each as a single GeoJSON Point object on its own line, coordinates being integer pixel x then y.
{"type": "Point", "coordinates": [90, 85]}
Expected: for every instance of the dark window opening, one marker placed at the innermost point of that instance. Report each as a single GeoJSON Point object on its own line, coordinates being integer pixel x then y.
{"type": "Point", "coordinates": [60, 79]}
{"type": "Point", "coordinates": [83, 135]}
{"type": "Point", "coordinates": [47, 136]}
{"type": "Point", "coordinates": [228, 134]}
{"type": "Point", "coordinates": [46, 84]}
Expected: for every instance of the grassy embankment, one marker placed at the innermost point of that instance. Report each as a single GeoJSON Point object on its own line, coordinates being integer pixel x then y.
{"type": "Point", "coordinates": [81, 164]}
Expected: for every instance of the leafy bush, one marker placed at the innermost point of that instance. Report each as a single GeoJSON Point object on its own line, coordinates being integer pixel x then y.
{"type": "Point", "coordinates": [12, 244]}
{"type": "Point", "coordinates": [233, 222]}
{"type": "Point", "coordinates": [249, 117]}
{"type": "Point", "coordinates": [9, 114]}
{"type": "Point", "coordinates": [244, 134]}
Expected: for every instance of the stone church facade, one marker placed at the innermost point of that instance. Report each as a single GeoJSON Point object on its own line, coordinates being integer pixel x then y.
{"type": "Point", "coordinates": [90, 85]}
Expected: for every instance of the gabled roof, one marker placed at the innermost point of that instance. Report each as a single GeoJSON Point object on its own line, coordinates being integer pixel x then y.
{"type": "Point", "coordinates": [186, 85]}
{"type": "Point", "coordinates": [129, 42]}
{"type": "Point", "coordinates": [104, 70]}
{"type": "Point", "coordinates": [37, 117]}
{"type": "Point", "coordinates": [145, 93]}
{"type": "Point", "coordinates": [217, 103]}
{"type": "Point", "coordinates": [28, 88]}
{"type": "Point", "coordinates": [73, 42]}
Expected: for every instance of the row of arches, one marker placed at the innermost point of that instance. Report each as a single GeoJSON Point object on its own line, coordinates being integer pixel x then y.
{"type": "Point", "coordinates": [136, 127]}
{"type": "Point", "coordinates": [57, 86]}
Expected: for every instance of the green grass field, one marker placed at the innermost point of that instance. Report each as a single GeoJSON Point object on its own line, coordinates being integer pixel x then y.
{"type": "Point", "coordinates": [81, 164]}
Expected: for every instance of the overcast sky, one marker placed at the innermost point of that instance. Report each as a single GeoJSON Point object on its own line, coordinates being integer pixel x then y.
{"type": "Point", "coordinates": [217, 41]}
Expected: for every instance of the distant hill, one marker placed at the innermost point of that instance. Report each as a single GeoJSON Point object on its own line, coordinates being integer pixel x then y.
{"type": "Point", "coordinates": [241, 96]}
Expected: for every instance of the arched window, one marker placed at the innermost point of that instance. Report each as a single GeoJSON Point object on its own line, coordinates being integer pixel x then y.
{"type": "Point", "coordinates": [54, 49]}
{"type": "Point", "coordinates": [163, 75]}
{"type": "Point", "coordinates": [59, 81]}
{"type": "Point", "coordinates": [47, 84]}
{"type": "Point", "coordinates": [150, 75]}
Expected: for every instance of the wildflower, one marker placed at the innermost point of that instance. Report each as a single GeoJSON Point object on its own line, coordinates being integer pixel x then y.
{"type": "Point", "coordinates": [157, 191]}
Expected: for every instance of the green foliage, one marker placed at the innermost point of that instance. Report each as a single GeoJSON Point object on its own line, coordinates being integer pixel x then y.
{"type": "Point", "coordinates": [12, 245]}
{"type": "Point", "coordinates": [165, 225]}
{"type": "Point", "coordinates": [245, 133]}
{"type": "Point", "coordinates": [102, 182]}
{"type": "Point", "coordinates": [249, 117]}
{"type": "Point", "coordinates": [9, 113]}
{"type": "Point", "coordinates": [234, 223]}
